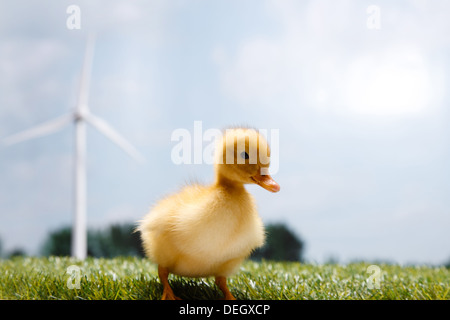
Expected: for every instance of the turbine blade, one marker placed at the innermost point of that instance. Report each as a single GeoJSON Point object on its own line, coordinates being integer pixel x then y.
{"type": "Point", "coordinates": [86, 74]}
{"type": "Point", "coordinates": [43, 129]}
{"type": "Point", "coordinates": [104, 128]}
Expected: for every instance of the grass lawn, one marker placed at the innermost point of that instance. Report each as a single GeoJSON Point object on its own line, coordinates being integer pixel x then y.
{"type": "Point", "coordinates": [136, 278]}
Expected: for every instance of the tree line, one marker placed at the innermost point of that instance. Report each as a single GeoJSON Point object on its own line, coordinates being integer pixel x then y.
{"type": "Point", "coordinates": [121, 240]}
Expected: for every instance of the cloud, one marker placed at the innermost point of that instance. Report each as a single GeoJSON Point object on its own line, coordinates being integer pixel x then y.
{"type": "Point", "coordinates": [396, 82]}
{"type": "Point", "coordinates": [292, 66]}
{"type": "Point", "coordinates": [24, 74]}
{"type": "Point", "coordinates": [266, 68]}
{"type": "Point", "coordinates": [324, 57]}
{"type": "Point", "coordinates": [257, 72]}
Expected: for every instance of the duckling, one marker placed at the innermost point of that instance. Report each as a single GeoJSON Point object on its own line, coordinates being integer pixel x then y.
{"type": "Point", "coordinates": [208, 230]}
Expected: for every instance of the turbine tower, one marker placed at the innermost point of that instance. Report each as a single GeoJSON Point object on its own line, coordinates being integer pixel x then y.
{"type": "Point", "coordinates": [80, 116]}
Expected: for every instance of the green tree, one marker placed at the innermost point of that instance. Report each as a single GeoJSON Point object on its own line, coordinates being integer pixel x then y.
{"type": "Point", "coordinates": [115, 240]}
{"type": "Point", "coordinates": [58, 243]}
{"type": "Point", "coordinates": [17, 252]}
{"type": "Point", "coordinates": [281, 245]}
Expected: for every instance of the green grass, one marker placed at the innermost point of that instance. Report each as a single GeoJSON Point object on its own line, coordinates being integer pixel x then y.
{"type": "Point", "coordinates": [136, 278]}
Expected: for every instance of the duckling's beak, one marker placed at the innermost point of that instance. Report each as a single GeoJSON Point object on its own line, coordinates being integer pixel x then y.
{"type": "Point", "coordinates": [266, 182]}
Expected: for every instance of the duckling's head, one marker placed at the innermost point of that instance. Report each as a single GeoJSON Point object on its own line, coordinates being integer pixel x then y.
{"type": "Point", "coordinates": [243, 156]}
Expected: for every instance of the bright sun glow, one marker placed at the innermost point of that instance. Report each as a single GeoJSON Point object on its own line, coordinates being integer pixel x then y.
{"type": "Point", "coordinates": [396, 86]}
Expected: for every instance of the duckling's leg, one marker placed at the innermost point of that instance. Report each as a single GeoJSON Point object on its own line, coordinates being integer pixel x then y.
{"type": "Point", "coordinates": [168, 294]}
{"type": "Point", "coordinates": [221, 282]}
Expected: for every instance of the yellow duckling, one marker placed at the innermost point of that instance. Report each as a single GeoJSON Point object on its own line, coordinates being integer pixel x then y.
{"type": "Point", "coordinates": [204, 231]}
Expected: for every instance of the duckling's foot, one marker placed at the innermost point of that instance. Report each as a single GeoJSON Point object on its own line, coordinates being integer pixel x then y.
{"type": "Point", "coordinates": [221, 282]}
{"type": "Point", "coordinates": [168, 294]}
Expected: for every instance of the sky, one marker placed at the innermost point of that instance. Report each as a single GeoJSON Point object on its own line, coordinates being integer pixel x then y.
{"type": "Point", "coordinates": [351, 92]}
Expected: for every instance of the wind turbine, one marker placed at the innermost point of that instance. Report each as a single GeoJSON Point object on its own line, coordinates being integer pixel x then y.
{"type": "Point", "coordinates": [80, 116]}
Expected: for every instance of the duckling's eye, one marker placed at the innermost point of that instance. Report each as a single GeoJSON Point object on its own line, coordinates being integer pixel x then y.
{"type": "Point", "coordinates": [244, 155]}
